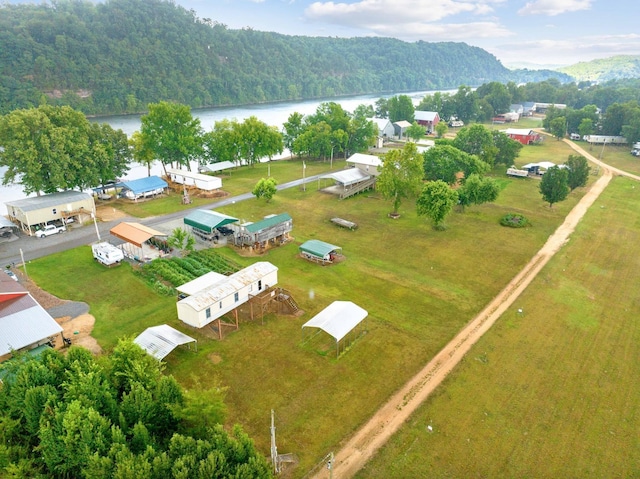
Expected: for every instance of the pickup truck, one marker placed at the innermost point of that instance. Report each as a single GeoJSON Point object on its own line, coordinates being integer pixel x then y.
{"type": "Point", "coordinates": [49, 230]}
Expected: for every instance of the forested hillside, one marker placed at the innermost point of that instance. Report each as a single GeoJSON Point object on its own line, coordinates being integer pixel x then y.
{"type": "Point", "coordinates": [604, 69]}
{"type": "Point", "coordinates": [118, 56]}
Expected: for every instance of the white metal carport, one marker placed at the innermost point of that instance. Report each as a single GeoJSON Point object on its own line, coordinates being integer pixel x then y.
{"type": "Point", "coordinates": [159, 341]}
{"type": "Point", "coordinates": [338, 319]}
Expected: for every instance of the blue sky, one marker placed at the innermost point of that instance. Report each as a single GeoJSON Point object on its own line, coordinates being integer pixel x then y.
{"type": "Point", "coordinates": [519, 33]}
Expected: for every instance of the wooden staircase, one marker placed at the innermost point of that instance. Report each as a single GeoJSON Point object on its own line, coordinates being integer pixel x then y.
{"type": "Point", "coordinates": [284, 297]}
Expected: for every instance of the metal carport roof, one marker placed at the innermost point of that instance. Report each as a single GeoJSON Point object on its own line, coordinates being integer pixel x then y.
{"type": "Point", "coordinates": [207, 220]}
{"type": "Point", "coordinates": [337, 319]}
{"type": "Point", "coordinates": [159, 341]}
{"type": "Point", "coordinates": [347, 177]}
{"type": "Point", "coordinates": [143, 185]}
{"type": "Point", "coordinates": [134, 233]}
{"type": "Point", "coordinates": [318, 248]}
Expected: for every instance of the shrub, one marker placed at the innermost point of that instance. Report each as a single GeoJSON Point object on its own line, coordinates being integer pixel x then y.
{"type": "Point", "coordinates": [514, 220]}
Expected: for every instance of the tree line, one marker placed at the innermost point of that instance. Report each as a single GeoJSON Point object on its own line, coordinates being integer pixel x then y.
{"type": "Point", "coordinates": [118, 56]}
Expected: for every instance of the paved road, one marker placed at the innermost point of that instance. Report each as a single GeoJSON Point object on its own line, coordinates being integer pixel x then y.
{"type": "Point", "coordinates": [33, 247]}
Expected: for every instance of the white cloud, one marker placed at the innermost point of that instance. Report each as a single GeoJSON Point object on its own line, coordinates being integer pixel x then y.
{"type": "Point", "coordinates": [364, 13]}
{"type": "Point", "coordinates": [442, 31]}
{"type": "Point", "coordinates": [554, 7]}
{"type": "Point", "coordinates": [568, 52]}
{"type": "Point", "coordinates": [411, 20]}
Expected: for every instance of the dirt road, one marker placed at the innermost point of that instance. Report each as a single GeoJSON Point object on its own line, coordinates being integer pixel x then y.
{"type": "Point", "coordinates": [361, 447]}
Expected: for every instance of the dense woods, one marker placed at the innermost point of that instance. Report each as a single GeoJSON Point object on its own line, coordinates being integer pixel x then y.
{"type": "Point", "coordinates": [120, 55]}
{"type": "Point", "coordinates": [73, 415]}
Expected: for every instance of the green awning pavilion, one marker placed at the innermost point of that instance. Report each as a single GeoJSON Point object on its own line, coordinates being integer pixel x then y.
{"type": "Point", "coordinates": [319, 249]}
{"type": "Point", "coordinates": [206, 220]}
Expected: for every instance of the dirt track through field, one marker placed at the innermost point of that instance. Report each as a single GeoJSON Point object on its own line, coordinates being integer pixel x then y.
{"type": "Point", "coordinates": [361, 447]}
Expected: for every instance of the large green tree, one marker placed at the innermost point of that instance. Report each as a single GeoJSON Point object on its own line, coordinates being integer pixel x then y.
{"type": "Point", "coordinates": [477, 190]}
{"type": "Point", "coordinates": [436, 201]}
{"type": "Point", "coordinates": [171, 132]}
{"type": "Point", "coordinates": [223, 142]}
{"type": "Point", "coordinates": [258, 140]}
{"type": "Point", "coordinates": [401, 108]}
{"type": "Point", "coordinates": [401, 175]}
{"type": "Point", "coordinates": [477, 140]}
{"type": "Point", "coordinates": [508, 149]}
{"type": "Point", "coordinates": [578, 171]}
{"type": "Point", "coordinates": [265, 188]}
{"type": "Point", "coordinates": [554, 185]}
{"type": "Point", "coordinates": [445, 162]}
{"type": "Point", "coordinates": [47, 149]}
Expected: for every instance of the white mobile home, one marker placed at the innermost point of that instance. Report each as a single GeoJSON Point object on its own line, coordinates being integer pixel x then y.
{"type": "Point", "coordinates": [189, 178]}
{"type": "Point", "coordinates": [224, 294]}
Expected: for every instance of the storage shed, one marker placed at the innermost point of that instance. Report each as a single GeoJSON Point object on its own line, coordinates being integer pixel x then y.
{"type": "Point", "coordinates": [208, 224]}
{"type": "Point", "coordinates": [338, 320]}
{"type": "Point", "coordinates": [223, 295]}
{"type": "Point", "coordinates": [143, 187]}
{"type": "Point", "coordinates": [319, 251]}
{"type": "Point", "coordinates": [33, 212]}
{"type": "Point", "coordinates": [200, 181]}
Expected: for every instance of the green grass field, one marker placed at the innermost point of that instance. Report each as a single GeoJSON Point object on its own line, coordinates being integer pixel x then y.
{"type": "Point", "coordinates": [419, 286]}
{"type": "Point", "coordinates": [551, 392]}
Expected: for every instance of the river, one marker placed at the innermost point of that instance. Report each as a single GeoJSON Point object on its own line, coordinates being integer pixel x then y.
{"type": "Point", "coordinates": [273, 114]}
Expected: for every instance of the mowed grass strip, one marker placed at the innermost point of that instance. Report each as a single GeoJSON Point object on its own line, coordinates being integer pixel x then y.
{"type": "Point", "coordinates": [235, 181]}
{"type": "Point", "coordinates": [552, 391]}
{"type": "Point", "coordinates": [419, 286]}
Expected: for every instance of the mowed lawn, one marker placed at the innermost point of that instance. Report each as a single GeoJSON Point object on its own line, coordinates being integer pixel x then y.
{"type": "Point", "coordinates": [551, 392]}
{"type": "Point", "coordinates": [419, 286]}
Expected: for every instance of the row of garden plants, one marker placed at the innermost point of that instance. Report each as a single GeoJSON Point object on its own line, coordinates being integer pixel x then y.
{"type": "Point", "coordinates": [165, 275]}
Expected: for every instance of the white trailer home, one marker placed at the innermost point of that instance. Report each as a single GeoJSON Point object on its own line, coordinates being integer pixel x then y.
{"type": "Point", "coordinates": [608, 139]}
{"type": "Point", "coordinates": [223, 294]}
{"type": "Point", "coordinates": [199, 180]}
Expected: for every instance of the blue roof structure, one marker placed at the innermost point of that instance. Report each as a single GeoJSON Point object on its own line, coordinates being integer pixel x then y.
{"type": "Point", "coordinates": [143, 185]}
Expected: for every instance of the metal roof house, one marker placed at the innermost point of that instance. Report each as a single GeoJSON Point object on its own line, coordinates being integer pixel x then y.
{"type": "Point", "coordinates": [143, 187]}
{"type": "Point", "coordinates": [428, 119]}
{"type": "Point", "coordinates": [271, 229]}
{"type": "Point", "coordinates": [217, 296]}
{"type": "Point", "coordinates": [24, 324]}
{"type": "Point", "coordinates": [35, 211]}
{"type": "Point", "coordinates": [385, 127]}
{"type": "Point", "coordinates": [523, 135]}
{"type": "Point", "coordinates": [319, 251]}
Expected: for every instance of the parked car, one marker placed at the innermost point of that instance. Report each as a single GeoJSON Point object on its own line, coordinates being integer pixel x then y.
{"type": "Point", "coordinates": [49, 230]}
{"type": "Point", "coordinates": [11, 274]}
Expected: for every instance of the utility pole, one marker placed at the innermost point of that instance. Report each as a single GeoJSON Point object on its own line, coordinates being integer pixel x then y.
{"type": "Point", "coordinates": [274, 449]}
{"type": "Point", "coordinates": [24, 265]}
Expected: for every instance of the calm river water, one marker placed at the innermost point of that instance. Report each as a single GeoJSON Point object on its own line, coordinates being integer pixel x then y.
{"type": "Point", "coordinates": [274, 114]}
